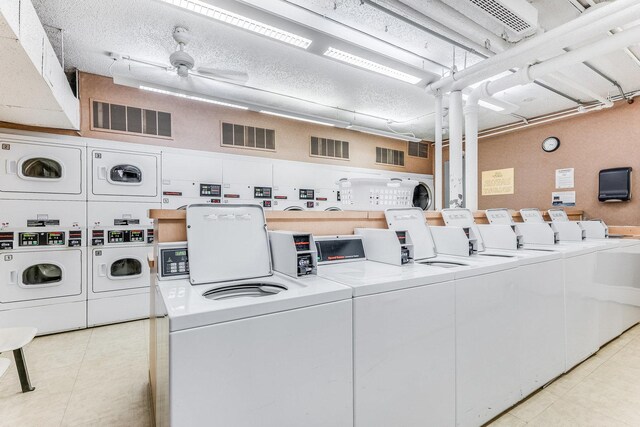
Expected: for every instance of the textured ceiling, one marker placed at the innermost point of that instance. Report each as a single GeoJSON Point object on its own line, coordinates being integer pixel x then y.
{"type": "Point", "coordinates": [292, 79]}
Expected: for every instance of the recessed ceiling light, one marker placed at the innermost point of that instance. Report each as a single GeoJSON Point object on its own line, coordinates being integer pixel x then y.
{"type": "Point", "coordinates": [191, 97]}
{"type": "Point", "coordinates": [370, 65]}
{"type": "Point", "coordinates": [248, 24]}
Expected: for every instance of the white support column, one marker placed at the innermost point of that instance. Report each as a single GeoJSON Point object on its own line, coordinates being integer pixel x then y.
{"type": "Point", "coordinates": [456, 184]}
{"type": "Point", "coordinates": [438, 155]}
{"type": "Point", "coordinates": [471, 155]}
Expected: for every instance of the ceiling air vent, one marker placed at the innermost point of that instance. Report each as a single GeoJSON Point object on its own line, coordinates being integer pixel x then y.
{"type": "Point", "coordinates": [240, 136]}
{"type": "Point", "coordinates": [325, 147]}
{"type": "Point", "coordinates": [514, 19]}
{"type": "Point", "coordinates": [387, 156]}
{"type": "Point", "coordinates": [108, 117]}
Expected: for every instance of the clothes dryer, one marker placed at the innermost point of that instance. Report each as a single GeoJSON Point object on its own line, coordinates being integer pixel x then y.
{"type": "Point", "coordinates": [121, 239]}
{"type": "Point", "coordinates": [247, 181]}
{"type": "Point", "coordinates": [249, 345]}
{"type": "Point", "coordinates": [123, 172]}
{"type": "Point", "coordinates": [293, 186]}
{"type": "Point", "coordinates": [487, 363]}
{"type": "Point", "coordinates": [39, 168]}
{"type": "Point", "coordinates": [404, 329]}
{"type": "Point", "coordinates": [42, 265]}
{"type": "Point", "coordinates": [190, 177]}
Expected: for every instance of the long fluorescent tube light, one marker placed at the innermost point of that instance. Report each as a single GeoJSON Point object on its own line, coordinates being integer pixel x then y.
{"type": "Point", "coordinates": [191, 97]}
{"type": "Point", "coordinates": [370, 65]}
{"type": "Point", "coordinates": [383, 133]}
{"type": "Point", "coordinates": [485, 104]}
{"type": "Point", "coordinates": [296, 117]}
{"type": "Point", "coordinates": [248, 24]}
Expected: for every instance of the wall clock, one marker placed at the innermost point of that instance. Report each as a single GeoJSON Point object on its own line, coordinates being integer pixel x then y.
{"type": "Point", "coordinates": [550, 144]}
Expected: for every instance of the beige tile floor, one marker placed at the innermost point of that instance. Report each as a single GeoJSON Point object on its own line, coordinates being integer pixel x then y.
{"type": "Point", "coordinates": [98, 377]}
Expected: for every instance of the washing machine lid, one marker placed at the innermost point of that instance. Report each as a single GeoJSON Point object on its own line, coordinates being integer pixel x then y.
{"type": "Point", "coordinates": [412, 220]}
{"type": "Point", "coordinates": [499, 216]}
{"type": "Point", "coordinates": [370, 277]}
{"type": "Point", "coordinates": [228, 242]}
{"type": "Point", "coordinates": [190, 306]}
{"type": "Point", "coordinates": [474, 265]}
{"type": "Point", "coordinates": [567, 249]}
{"type": "Point", "coordinates": [526, 256]}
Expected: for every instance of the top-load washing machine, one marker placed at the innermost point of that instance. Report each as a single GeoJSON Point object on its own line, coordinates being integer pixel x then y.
{"type": "Point", "coordinates": [486, 298]}
{"type": "Point", "coordinates": [247, 181]}
{"type": "Point", "coordinates": [404, 328]}
{"type": "Point", "coordinates": [241, 345]}
{"type": "Point", "coordinates": [190, 177]}
{"type": "Point", "coordinates": [39, 168]}
{"type": "Point", "coordinates": [42, 265]}
{"type": "Point", "coordinates": [293, 187]}
{"type": "Point", "coordinates": [123, 172]}
{"type": "Point", "coordinates": [581, 289]}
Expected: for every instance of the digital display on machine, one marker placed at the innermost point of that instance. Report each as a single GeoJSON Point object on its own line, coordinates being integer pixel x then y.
{"type": "Point", "coordinates": [116, 236]}
{"type": "Point", "coordinates": [306, 194]}
{"type": "Point", "coordinates": [125, 236]}
{"type": "Point", "coordinates": [52, 238]}
{"type": "Point", "coordinates": [262, 192]}
{"type": "Point", "coordinates": [340, 250]}
{"type": "Point", "coordinates": [302, 242]}
{"type": "Point", "coordinates": [6, 240]}
{"type": "Point", "coordinates": [136, 236]}
{"type": "Point", "coordinates": [210, 190]}
{"type": "Point", "coordinates": [175, 262]}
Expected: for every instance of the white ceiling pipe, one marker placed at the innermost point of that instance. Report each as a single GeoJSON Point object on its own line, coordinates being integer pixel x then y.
{"type": "Point", "coordinates": [455, 150]}
{"type": "Point", "coordinates": [527, 75]}
{"type": "Point", "coordinates": [578, 30]}
{"type": "Point", "coordinates": [567, 81]}
{"type": "Point", "coordinates": [438, 154]}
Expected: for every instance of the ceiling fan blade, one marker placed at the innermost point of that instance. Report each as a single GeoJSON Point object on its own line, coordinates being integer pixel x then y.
{"type": "Point", "coordinates": [230, 75]}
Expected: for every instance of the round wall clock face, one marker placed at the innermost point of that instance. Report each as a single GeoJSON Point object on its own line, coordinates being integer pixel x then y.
{"type": "Point", "coordinates": [550, 144]}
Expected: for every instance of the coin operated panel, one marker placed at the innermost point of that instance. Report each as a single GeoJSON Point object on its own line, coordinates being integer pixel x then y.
{"type": "Point", "coordinates": [387, 246]}
{"type": "Point", "coordinates": [172, 260]}
{"type": "Point", "coordinates": [567, 230]}
{"type": "Point", "coordinates": [29, 239]}
{"type": "Point", "coordinates": [115, 236]}
{"type": "Point", "coordinates": [338, 249]}
{"type": "Point", "coordinates": [293, 254]}
{"type": "Point", "coordinates": [210, 190]}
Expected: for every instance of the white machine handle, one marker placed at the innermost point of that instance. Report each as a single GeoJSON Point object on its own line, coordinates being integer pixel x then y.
{"type": "Point", "coordinates": [102, 270]}
{"type": "Point", "coordinates": [13, 277]}
{"type": "Point", "coordinates": [102, 172]}
{"type": "Point", "coordinates": [12, 167]}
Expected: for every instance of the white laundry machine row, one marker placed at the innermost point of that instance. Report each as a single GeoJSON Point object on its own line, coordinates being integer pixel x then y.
{"type": "Point", "coordinates": [120, 239]}
{"type": "Point", "coordinates": [237, 340]}
{"type": "Point", "coordinates": [487, 359]}
{"type": "Point", "coordinates": [43, 265]}
{"type": "Point", "coordinates": [190, 177]}
{"type": "Point", "coordinates": [39, 167]}
{"type": "Point", "coordinates": [123, 172]}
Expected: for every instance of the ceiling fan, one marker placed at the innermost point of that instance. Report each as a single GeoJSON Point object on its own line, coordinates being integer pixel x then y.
{"type": "Point", "coordinates": [183, 63]}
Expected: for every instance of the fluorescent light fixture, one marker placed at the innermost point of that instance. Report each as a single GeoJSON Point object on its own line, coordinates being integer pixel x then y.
{"type": "Point", "coordinates": [192, 97]}
{"type": "Point", "coordinates": [297, 117]}
{"type": "Point", "coordinates": [485, 104]}
{"type": "Point", "coordinates": [248, 24]}
{"type": "Point", "coordinates": [370, 65]}
{"type": "Point", "coordinates": [383, 133]}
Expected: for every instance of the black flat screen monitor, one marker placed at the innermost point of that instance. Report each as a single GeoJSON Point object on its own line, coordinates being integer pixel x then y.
{"type": "Point", "coordinates": [614, 185]}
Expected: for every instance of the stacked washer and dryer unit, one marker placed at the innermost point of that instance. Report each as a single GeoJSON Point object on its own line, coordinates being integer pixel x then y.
{"type": "Point", "coordinates": [123, 185]}
{"type": "Point", "coordinates": [43, 275]}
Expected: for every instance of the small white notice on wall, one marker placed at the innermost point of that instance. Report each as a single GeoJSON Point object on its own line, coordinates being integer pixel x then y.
{"type": "Point", "coordinates": [564, 178]}
{"type": "Point", "coordinates": [563, 198]}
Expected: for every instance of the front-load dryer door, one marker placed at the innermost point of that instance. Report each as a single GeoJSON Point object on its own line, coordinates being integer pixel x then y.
{"type": "Point", "coordinates": [124, 174]}
{"type": "Point", "coordinates": [28, 276]}
{"type": "Point", "coordinates": [40, 169]}
{"type": "Point", "coordinates": [117, 269]}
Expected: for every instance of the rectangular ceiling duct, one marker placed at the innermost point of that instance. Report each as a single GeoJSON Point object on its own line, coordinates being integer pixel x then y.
{"type": "Point", "coordinates": [510, 19]}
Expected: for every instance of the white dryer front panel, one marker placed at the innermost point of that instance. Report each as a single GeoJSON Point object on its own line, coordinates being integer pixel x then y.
{"type": "Point", "coordinates": [123, 174]}
{"type": "Point", "coordinates": [32, 170]}
{"type": "Point", "coordinates": [36, 275]}
{"type": "Point", "coordinates": [119, 269]}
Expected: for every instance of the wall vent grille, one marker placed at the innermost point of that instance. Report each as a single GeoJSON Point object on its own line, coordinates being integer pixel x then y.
{"type": "Point", "coordinates": [418, 149]}
{"type": "Point", "coordinates": [326, 147]}
{"type": "Point", "coordinates": [240, 136]}
{"type": "Point", "coordinates": [502, 14]}
{"type": "Point", "coordinates": [387, 156]}
{"type": "Point", "coordinates": [108, 117]}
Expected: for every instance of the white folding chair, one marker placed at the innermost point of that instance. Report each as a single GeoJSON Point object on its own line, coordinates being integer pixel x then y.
{"type": "Point", "coordinates": [14, 339]}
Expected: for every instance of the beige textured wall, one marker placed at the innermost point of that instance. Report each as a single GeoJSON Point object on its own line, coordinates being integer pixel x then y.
{"type": "Point", "coordinates": [588, 143]}
{"type": "Point", "coordinates": [197, 125]}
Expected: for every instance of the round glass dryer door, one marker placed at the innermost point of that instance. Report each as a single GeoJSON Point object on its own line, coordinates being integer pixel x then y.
{"type": "Point", "coordinates": [41, 275]}
{"type": "Point", "coordinates": [41, 168]}
{"type": "Point", "coordinates": [125, 268]}
{"type": "Point", "coordinates": [422, 197]}
{"type": "Point", "coordinates": [125, 174]}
